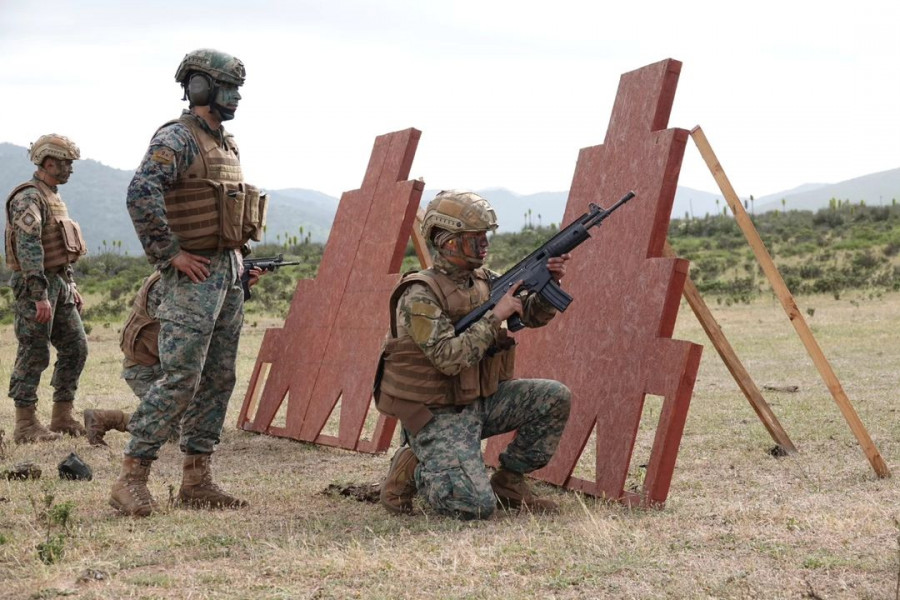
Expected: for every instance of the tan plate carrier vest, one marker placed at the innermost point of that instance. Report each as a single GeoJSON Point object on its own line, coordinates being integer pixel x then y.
{"type": "Point", "coordinates": [408, 382]}
{"type": "Point", "coordinates": [210, 207]}
{"type": "Point", "coordinates": [140, 336]}
{"type": "Point", "coordinates": [61, 237]}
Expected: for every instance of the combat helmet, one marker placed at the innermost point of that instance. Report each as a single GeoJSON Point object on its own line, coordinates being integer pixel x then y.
{"type": "Point", "coordinates": [218, 65]}
{"type": "Point", "coordinates": [457, 212]}
{"type": "Point", "coordinates": [55, 146]}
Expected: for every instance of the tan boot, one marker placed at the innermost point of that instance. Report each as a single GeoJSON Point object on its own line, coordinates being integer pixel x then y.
{"type": "Point", "coordinates": [61, 420]}
{"type": "Point", "coordinates": [129, 493]}
{"type": "Point", "coordinates": [98, 422]}
{"type": "Point", "coordinates": [29, 429]}
{"type": "Point", "coordinates": [399, 487]}
{"type": "Point", "coordinates": [197, 487]}
{"type": "Point", "coordinates": [513, 492]}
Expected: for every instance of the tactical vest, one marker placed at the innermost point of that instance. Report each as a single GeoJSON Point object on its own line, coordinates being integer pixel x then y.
{"type": "Point", "coordinates": [140, 336]}
{"type": "Point", "coordinates": [61, 237]}
{"type": "Point", "coordinates": [407, 374]}
{"type": "Point", "coordinates": [210, 207]}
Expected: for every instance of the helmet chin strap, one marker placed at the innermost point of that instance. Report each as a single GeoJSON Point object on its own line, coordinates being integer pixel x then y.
{"type": "Point", "coordinates": [224, 113]}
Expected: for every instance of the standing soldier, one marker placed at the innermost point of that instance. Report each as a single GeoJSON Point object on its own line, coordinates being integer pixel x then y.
{"type": "Point", "coordinates": [449, 390]}
{"type": "Point", "coordinates": [42, 243]}
{"type": "Point", "coordinates": [194, 215]}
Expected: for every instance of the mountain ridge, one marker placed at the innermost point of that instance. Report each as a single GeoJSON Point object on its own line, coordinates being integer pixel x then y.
{"type": "Point", "coordinates": [95, 196]}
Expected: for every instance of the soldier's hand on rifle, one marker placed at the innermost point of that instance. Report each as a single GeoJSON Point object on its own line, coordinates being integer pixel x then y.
{"type": "Point", "coordinates": [42, 311]}
{"type": "Point", "coordinates": [255, 274]}
{"type": "Point", "coordinates": [557, 265]}
{"type": "Point", "coordinates": [509, 304]}
{"type": "Point", "coordinates": [192, 265]}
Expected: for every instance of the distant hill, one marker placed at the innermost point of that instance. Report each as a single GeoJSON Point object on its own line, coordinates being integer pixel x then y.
{"type": "Point", "coordinates": [95, 196]}
{"type": "Point", "coordinates": [877, 189]}
{"type": "Point", "coordinates": [96, 199]}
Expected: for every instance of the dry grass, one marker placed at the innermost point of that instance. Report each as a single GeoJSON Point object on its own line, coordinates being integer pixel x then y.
{"type": "Point", "coordinates": [738, 524]}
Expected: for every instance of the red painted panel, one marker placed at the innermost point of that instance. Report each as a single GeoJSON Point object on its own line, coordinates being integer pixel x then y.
{"type": "Point", "coordinates": [612, 346]}
{"type": "Point", "coordinates": [329, 346]}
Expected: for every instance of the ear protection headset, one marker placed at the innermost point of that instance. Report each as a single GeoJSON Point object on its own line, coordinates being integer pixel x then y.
{"type": "Point", "coordinates": [200, 89]}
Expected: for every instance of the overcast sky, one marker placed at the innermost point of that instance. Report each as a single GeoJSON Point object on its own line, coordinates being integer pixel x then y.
{"type": "Point", "coordinates": [505, 92]}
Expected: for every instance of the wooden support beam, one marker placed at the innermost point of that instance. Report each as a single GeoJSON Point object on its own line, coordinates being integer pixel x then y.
{"type": "Point", "coordinates": [732, 362]}
{"type": "Point", "coordinates": [790, 307]}
{"type": "Point", "coordinates": [419, 242]}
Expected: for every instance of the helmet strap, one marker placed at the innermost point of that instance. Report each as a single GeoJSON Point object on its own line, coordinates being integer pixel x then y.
{"type": "Point", "coordinates": [224, 113]}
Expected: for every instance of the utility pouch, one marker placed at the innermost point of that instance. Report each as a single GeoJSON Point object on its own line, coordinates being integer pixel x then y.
{"type": "Point", "coordinates": [507, 360]}
{"type": "Point", "coordinates": [231, 217]}
{"type": "Point", "coordinates": [255, 208]}
{"type": "Point", "coordinates": [72, 239]}
{"type": "Point", "coordinates": [467, 385]}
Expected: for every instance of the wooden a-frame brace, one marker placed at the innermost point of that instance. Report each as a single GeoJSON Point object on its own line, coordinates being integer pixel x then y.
{"type": "Point", "coordinates": [733, 363]}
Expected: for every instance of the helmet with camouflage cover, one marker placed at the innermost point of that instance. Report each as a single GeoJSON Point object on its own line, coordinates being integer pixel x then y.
{"type": "Point", "coordinates": [55, 146]}
{"type": "Point", "coordinates": [218, 65]}
{"type": "Point", "coordinates": [457, 212]}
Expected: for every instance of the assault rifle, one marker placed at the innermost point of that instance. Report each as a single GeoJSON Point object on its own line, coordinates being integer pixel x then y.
{"type": "Point", "coordinates": [533, 272]}
{"type": "Point", "coordinates": [269, 263]}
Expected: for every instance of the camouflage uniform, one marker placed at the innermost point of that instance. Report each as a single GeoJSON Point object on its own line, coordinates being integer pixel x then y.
{"type": "Point", "coordinates": [451, 474]}
{"type": "Point", "coordinates": [64, 331]}
{"type": "Point", "coordinates": [200, 322]}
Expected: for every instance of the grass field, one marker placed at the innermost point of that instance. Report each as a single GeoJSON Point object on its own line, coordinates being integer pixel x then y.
{"type": "Point", "coordinates": [739, 523]}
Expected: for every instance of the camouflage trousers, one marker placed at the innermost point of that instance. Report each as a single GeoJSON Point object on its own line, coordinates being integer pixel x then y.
{"type": "Point", "coordinates": [141, 377]}
{"type": "Point", "coordinates": [451, 475]}
{"type": "Point", "coordinates": [64, 331]}
{"type": "Point", "coordinates": [200, 325]}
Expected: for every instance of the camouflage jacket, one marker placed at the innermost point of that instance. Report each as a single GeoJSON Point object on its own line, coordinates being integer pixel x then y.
{"type": "Point", "coordinates": [420, 315]}
{"type": "Point", "coordinates": [29, 251]}
{"type": "Point", "coordinates": [172, 150]}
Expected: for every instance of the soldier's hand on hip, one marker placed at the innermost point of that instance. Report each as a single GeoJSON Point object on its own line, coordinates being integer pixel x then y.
{"type": "Point", "coordinates": [42, 311]}
{"type": "Point", "coordinates": [192, 265]}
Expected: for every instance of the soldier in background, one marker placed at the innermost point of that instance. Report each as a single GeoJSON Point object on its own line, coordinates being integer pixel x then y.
{"type": "Point", "coordinates": [42, 243]}
{"type": "Point", "coordinates": [193, 214]}
{"type": "Point", "coordinates": [450, 391]}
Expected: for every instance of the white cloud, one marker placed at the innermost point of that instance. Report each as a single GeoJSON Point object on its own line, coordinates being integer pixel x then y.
{"type": "Point", "coordinates": [506, 93]}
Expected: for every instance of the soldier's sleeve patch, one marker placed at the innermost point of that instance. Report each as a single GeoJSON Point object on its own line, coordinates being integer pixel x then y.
{"type": "Point", "coordinates": [421, 320]}
{"type": "Point", "coordinates": [424, 309]}
{"type": "Point", "coordinates": [163, 155]}
{"type": "Point", "coordinates": [30, 221]}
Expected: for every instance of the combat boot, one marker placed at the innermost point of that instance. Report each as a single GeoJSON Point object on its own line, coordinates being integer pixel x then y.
{"type": "Point", "coordinates": [197, 487]}
{"type": "Point", "coordinates": [399, 487]}
{"type": "Point", "coordinates": [129, 493]}
{"type": "Point", "coordinates": [61, 420]}
{"type": "Point", "coordinates": [513, 492]}
{"type": "Point", "coordinates": [98, 422]}
{"type": "Point", "coordinates": [29, 429]}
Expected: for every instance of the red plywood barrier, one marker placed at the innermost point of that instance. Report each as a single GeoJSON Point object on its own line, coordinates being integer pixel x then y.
{"type": "Point", "coordinates": [613, 345]}
{"type": "Point", "coordinates": [328, 349]}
